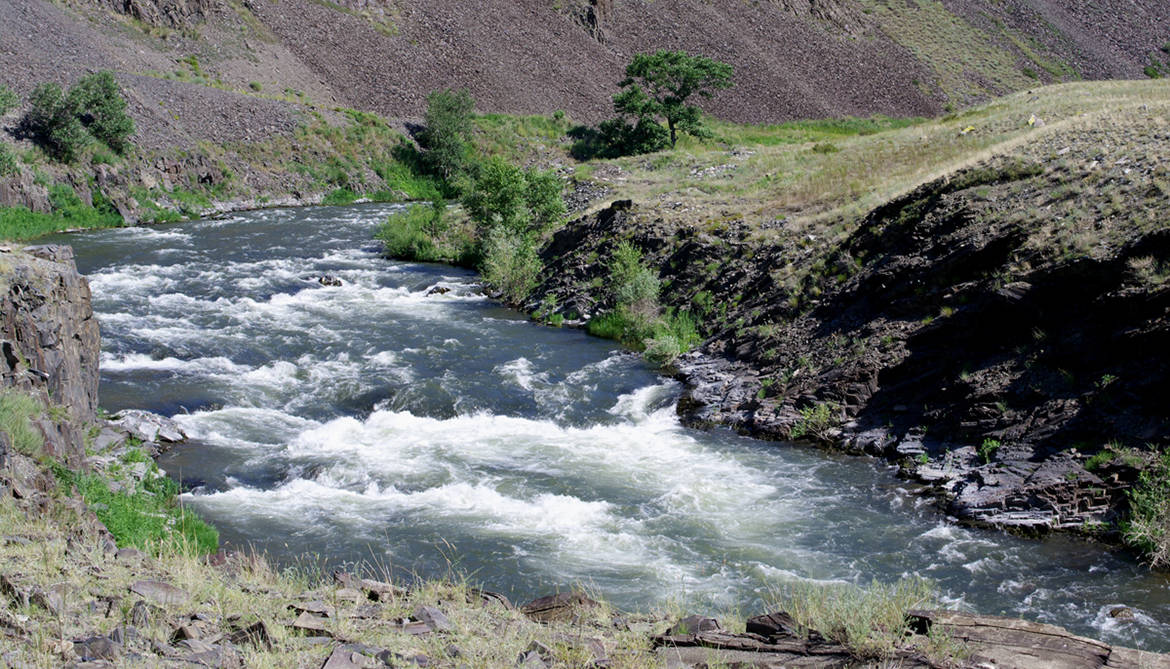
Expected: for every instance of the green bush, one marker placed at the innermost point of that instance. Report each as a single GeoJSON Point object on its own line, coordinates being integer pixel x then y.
{"type": "Point", "coordinates": [523, 202]}
{"type": "Point", "coordinates": [633, 285]}
{"type": "Point", "coordinates": [102, 109]}
{"type": "Point", "coordinates": [447, 137]}
{"type": "Point", "coordinates": [815, 422]}
{"type": "Point", "coordinates": [9, 100]}
{"type": "Point", "coordinates": [16, 413]}
{"type": "Point", "coordinates": [987, 449]}
{"type": "Point", "coordinates": [510, 264]}
{"type": "Point", "coordinates": [637, 319]}
{"type": "Point", "coordinates": [1148, 527]}
{"type": "Point", "coordinates": [412, 234]}
{"type": "Point", "coordinates": [8, 162]}
{"type": "Point", "coordinates": [340, 196]}
{"type": "Point", "coordinates": [53, 119]}
{"type": "Point", "coordinates": [94, 108]}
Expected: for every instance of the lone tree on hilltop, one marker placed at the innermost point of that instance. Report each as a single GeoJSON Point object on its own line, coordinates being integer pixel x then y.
{"type": "Point", "coordinates": [660, 84]}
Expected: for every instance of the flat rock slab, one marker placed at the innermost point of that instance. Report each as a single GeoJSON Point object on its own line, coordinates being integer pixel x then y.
{"type": "Point", "coordinates": [344, 657]}
{"type": "Point", "coordinates": [433, 618]}
{"type": "Point", "coordinates": [307, 622]}
{"type": "Point", "coordinates": [563, 607]}
{"type": "Point", "coordinates": [1009, 643]}
{"type": "Point", "coordinates": [163, 594]}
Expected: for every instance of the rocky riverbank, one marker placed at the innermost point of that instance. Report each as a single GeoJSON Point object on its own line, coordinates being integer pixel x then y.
{"type": "Point", "coordinates": [997, 332]}
{"type": "Point", "coordinates": [76, 593]}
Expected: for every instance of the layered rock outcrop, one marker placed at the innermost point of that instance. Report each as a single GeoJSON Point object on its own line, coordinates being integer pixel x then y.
{"type": "Point", "coordinates": [48, 335]}
{"type": "Point", "coordinates": [986, 344]}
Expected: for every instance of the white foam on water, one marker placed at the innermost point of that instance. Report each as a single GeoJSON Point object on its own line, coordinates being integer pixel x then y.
{"type": "Point", "coordinates": [139, 361]}
{"type": "Point", "coordinates": [521, 372]}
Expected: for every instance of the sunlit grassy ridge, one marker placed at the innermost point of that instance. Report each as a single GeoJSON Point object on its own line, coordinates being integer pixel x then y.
{"type": "Point", "coordinates": [814, 172]}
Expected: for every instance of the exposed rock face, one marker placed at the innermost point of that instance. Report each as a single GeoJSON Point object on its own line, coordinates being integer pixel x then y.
{"type": "Point", "coordinates": [167, 13]}
{"type": "Point", "coordinates": [950, 332]}
{"type": "Point", "coordinates": [48, 335]}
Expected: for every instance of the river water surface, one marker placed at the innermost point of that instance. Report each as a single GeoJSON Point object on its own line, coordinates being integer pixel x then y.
{"type": "Point", "coordinates": [421, 432]}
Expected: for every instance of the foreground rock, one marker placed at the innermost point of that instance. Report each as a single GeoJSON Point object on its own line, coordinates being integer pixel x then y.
{"type": "Point", "coordinates": [774, 642]}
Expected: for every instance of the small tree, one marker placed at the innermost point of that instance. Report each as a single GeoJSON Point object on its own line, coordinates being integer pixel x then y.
{"type": "Point", "coordinates": [660, 85]}
{"type": "Point", "coordinates": [448, 131]}
{"type": "Point", "coordinates": [520, 201]}
{"type": "Point", "coordinates": [102, 109]}
{"type": "Point", "coordinates": [53, 118]}
{"type": "Point", "coordinates": [94, 107]}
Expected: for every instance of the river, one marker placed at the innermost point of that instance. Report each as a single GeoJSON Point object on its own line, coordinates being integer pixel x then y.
{"type": "Point", "coordinates": [386, 423]}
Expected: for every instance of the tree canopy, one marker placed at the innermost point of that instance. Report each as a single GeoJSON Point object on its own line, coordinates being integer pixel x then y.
{"type": "Point", "coordinates": [448, 131]}
{"type": "Point", "coordinates": [661, 84]}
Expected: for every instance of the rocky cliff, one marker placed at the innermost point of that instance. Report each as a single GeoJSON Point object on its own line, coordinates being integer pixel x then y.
{"type": "Point", "coordinates": [50, 343]}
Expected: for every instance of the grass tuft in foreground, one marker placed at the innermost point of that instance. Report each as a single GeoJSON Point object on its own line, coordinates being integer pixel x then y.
{"type": "Point", "coordinates": [870, 621]}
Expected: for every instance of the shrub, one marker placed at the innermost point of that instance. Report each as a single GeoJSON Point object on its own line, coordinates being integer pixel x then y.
{"type": "Point", "coordinates": [410, 234]}
{"type": "Point", "coordinates": [9, 100]}
{"type": "Point", "coordinates": [624, 137]}
{"type": "Point", "coordinates": [53, 119]}
{"type": "Point", "coordinates": [16, 413]}
{"type": "Point", "coordinates": [447, 137]}
{"type": "Point", "coordinates": [815, 422]}
{"type": "Point", "coordinates": [1148, 527]}
{"type": "Point", "coordinates": [339, 196]}
{"type": "Point", "coordinates": [8, 162]}
{"type": "Point", "coordinates": [255, 85]}
{"type": "Point", "coordinates": [61, 121]}
{"type": "Point", "coordinates": [632, 284]}
{"type": "Point", "coordinates": [987, 449]}
{"type": "Point", "coordinates": [510, 264]}
{"type": "Point", "coordinates": [102, 109]}
{"type": "Point", "coordinates": [522, 202]}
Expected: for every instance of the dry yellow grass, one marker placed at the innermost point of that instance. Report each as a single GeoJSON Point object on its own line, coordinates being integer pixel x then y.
{"type": "Point", "coordinates": [827, 178]}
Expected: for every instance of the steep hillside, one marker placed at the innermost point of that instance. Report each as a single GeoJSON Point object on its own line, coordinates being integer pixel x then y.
{"type": "Point", "coordinates": [794, 58]}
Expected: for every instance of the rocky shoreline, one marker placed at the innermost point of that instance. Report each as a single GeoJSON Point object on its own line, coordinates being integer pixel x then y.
{"type": "Point", "coordinates": [226, 612]}
{"type": "Point", "coordinates": [1004, 377]}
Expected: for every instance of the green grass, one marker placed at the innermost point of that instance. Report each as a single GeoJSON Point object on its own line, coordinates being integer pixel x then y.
{"type": "Point", "coordinates": [518, 138]}
{"type": "Point", "coordinates": [69, 212]}
{"type": "Point", "coordinates": [147, 516]}
{"type": "Point", "coordinates": [9, 163]}
{"type": "Point", "coordinates": [802, 131]}
{"type": "Point", "coordinates": [870, 622]}
{"type": "Point", "coordinates": [1148, 526]}
{"type": "Point", "coordinates": [16, 413]}
{"type": "Point", "coordinates": [340, 196]}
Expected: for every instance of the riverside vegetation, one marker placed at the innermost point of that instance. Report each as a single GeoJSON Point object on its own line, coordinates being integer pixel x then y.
{"type": "Point", "coordinates": [786, 199]}
{"type": "Point", "coordinates": [821, 175]}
